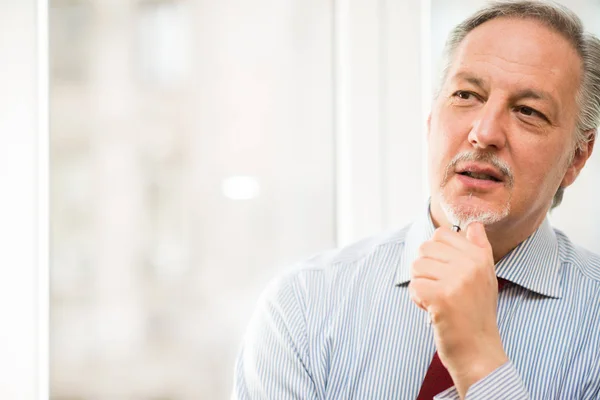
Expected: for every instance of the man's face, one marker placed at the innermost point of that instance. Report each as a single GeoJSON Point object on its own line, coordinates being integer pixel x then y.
{"type": "Point", "coordinates": [501, 130]}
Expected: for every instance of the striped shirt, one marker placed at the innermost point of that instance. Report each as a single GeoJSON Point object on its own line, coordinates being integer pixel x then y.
{"type": "Point", "coordinates": [342, 326]}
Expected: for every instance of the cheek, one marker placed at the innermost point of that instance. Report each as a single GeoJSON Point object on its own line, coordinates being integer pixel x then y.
{"type": "Point", "coordinates": [538, 172]}
{"type": "Point", "coordinates": [444, 142]}
{"type": "Point", "coordinates": [450, 129]}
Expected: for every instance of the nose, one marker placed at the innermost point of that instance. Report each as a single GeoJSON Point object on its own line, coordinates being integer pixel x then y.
{"type": "Point", "coordinates": [489, 127]}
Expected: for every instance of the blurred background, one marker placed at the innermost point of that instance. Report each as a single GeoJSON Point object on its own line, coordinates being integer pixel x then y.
{"type": "Point", "coordinates": [198, 147]}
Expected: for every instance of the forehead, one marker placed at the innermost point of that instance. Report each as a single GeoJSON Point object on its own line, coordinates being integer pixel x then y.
{"type": "Point", "coordinates": [520, 52]}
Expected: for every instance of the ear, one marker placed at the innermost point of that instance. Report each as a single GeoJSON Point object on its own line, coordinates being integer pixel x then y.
{"type": "Point", "coordinates": [579, 160]}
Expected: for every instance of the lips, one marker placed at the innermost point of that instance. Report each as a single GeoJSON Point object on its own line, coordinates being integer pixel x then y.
{"type": "Point", "coordinates": [481, 172]}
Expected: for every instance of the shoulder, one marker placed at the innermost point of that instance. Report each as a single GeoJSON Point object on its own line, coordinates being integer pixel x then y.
{"type": "Point", "coordinates": [355, 258]}
{"type": "Point", "coordinates": [584, 261]}
{"type": "Point", "coordinates": [339, 268]}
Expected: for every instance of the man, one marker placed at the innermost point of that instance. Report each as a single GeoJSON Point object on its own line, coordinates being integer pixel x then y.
{"type": "Point", "coordinates": [419, 313]}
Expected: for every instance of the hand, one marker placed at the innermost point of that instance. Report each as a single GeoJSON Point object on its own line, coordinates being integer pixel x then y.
{"type": "Point", "coordinates": [454, 280]}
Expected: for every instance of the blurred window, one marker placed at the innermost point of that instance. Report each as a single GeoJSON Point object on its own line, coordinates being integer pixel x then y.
{"type": "Point", "coordinates": [69, 25]}
{"type": "Point", "coordinates": [163, 41]}
{"type": "Point", "coordinates": [177, 196]}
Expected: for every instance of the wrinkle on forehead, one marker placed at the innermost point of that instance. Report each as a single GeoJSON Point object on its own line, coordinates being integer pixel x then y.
{"type": "Point", "coordinates": [525, 76]}
{"type": "Point", "coordinates": [484, 57]}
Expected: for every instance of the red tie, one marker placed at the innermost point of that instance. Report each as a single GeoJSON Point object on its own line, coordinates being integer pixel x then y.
{"type": "Point", "coordinates": [437, 378]}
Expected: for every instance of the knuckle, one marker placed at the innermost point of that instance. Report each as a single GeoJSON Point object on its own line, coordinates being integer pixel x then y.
{"type": "Point", "coordinates": [418, 263]}
{"type": "Point", "coordinates": [413, 291]}
{"type": "Point", "coordinates": [416, 269]}
{"type": "Point", "coordinates": [423, 249]}
{"type": "Point", "coordinates": [439, 233]}
{"type": "Point", "coordinates": [435, 312]}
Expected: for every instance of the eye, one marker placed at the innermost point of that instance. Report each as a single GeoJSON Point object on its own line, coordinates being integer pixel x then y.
{"type": "Point", "coordinates": [463, 95]}
{"type": "Point", "coordinates": [530, 112]}
{"type": "Point", "coordinates": [464, 98]}
{"type": "Point", "coordinates": [527, 111]}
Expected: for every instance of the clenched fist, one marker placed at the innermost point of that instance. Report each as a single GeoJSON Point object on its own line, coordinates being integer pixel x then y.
{"type": "Point", "coordinates": [454, 280]}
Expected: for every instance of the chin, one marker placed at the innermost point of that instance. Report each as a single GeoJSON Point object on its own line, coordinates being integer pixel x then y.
{"type": "Point", "coordinates": [472, 209]}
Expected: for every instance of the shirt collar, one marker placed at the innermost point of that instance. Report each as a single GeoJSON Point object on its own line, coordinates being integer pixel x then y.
{"type": "Point", "coordinates": [534, 264]}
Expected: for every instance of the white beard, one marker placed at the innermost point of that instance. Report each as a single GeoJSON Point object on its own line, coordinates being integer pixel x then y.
{"type": "Point", "coordinates": [464, 215]}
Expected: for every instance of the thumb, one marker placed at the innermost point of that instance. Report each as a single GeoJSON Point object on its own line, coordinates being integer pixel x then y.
{"type": "Point", "coordinates": [476, 235]}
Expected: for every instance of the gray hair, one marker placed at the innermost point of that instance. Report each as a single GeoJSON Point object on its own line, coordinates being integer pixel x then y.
{"type": "Point", "coordinates": [566, 23]}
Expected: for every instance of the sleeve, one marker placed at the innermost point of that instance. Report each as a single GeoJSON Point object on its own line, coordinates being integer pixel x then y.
{"type": "Point", "coordinates": [273, 360]}
{"type": "Point", "coordinates": [504, 383]}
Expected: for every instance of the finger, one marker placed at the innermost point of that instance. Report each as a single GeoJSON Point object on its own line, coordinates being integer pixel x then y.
{"type": "Point", "coordinates": [425, 268]}
{"type": "Point", "coordinates": [438, 251]}
{"type": "Point", "coordinates": [454, 239]}
{"type": "Point", "coordinates": [423, 292]}
{"type": "Point", "coordinates": [476, 234]}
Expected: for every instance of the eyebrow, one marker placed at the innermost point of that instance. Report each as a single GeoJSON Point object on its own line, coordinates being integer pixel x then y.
{"type": "Point", "coordinates": [536, 95]}
{"type": "Point", "coordinates": [520, 95]}
{"type": "Point", "coordinates": [471, 79]}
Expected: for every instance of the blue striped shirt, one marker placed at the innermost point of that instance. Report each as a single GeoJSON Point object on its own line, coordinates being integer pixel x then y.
{"type": "Point", "coordinates": [341, 325]}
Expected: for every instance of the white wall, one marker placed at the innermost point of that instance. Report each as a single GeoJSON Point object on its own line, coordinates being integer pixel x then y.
{"type": "Point", "coordinates": [380, 114]}
{"type": "Point", "coordinates": [18, 165]}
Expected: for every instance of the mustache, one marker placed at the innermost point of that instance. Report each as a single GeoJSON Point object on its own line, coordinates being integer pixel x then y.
{"type": "Point", "coordinates": [489, 158]}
